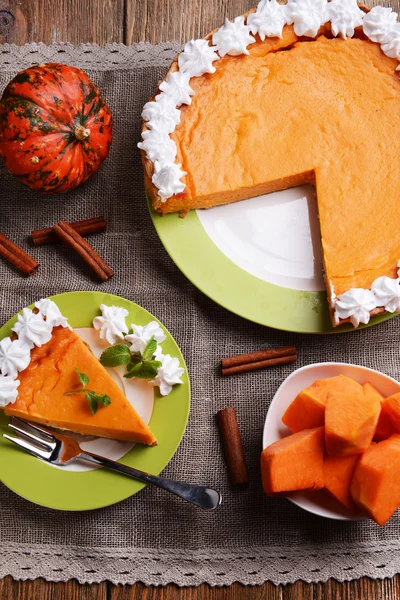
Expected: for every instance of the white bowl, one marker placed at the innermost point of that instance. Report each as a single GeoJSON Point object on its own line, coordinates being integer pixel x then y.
{"type": "Point", "coordinates": [319, 503]}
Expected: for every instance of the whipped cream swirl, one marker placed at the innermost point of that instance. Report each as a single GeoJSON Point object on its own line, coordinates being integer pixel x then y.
{"type": "Point", "coordinates": [50, 310]}
{"type": "Point", "coordinates": [15, 356]}
{"type": "Point", "coordinates": [356, 305]}
{"type": "Point", "coordinates": [142, 334]}
{"type": "Point", "coordinates": [345, 16]}
{"type": "Point", "coordinates": [32, 329]}
{"type": "Point", "coordinates": [390, 43]}
{"type": "Point", "coordinates": [111, 325]}
{"type": "Point", "coordinates": [169, 374]}
{"type": "Point", "coordinates": [378, 22]}
{"type": "Point", "coordinates": [307, 15]}
{"type": "Point", "coordinates": [167, 179]}
{"type": "Point", "coordinates": [8, 390]}
{"type": "Point", "coordinates": [197, 58]}
{"type": "Point", "coordinates": [176, 87]}
{"type": "Point", "coordinates": [161, 114]}
{"type": "Point", "coordinates": [268, 20]}
{"type": "Point", "coordinates": [158, 146]}
{"type": "Point", "coordinates": [387, 293]}
{"type": "Point", "coordinates": [233, 38]}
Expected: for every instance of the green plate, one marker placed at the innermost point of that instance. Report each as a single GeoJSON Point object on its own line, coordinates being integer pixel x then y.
{"type": "Point", "coordinates": [196, 255]}
{"type": "Point", "coordinates": [64, 490]}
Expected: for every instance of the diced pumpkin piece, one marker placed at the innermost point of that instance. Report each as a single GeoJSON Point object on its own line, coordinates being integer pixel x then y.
{"type": "Point", "coordinates": [371, 392]}
{"type": "Point", "coordinates": [350, 422]}
{"type": "Point", "coordinates": [308, 408]}
{"type": "Point", "coordinates": [338, 473]}
{"type": "Point", "coordinates": [392, 410]}
{"type": "Point", "coordinates": [385, 427]}
{"type": "Point", "coordinates": [375, 487]}
{"type": "Point", "coordinates": [294, 463]}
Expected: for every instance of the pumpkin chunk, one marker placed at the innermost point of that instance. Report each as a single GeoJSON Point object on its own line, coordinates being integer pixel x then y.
{"type": "Point", "coordinates": [294, 463]}
{"type": "Point", "coordinates": [391, 409]}
{"type": "Point", "coordinates": [376, 483]}
{"type": "Point", "coordinates": [386, 427]}
{"type": "Point", "coordinates": [338, 473]}
{"type": "Point", "coordinates": [370, 391]}
{"type": "Point", "coordinates": [308, 408]}
{"type": "Point", "coordinates": [350, 422]}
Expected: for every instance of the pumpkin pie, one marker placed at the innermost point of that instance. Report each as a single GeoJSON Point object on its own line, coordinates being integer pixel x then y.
{"type": "Point", "coordinates": [52, 372]}
{"type": "Point", "coordinates": [293, 111]}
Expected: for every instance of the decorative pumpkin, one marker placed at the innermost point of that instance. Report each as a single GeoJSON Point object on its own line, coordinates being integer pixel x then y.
{"type": "Point", "coordinates": [55, 127]}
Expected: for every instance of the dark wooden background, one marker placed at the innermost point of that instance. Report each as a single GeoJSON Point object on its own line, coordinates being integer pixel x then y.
{"type": "Point", "coordinates": [129, 21]}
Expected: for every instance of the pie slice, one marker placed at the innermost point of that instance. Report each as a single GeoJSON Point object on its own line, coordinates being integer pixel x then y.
{"type": "Point", "coordinates": [51, 373]}
{"type": "Point", "coordinates": [297, 110]}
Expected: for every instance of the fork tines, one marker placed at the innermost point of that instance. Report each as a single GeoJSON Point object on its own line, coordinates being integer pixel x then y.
{"type": "Point", "coordinates": [31, 438]}
{"type": "Point", "coordinates": [42, 432]}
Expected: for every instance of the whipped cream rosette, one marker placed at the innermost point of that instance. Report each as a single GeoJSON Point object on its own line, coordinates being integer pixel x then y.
{"type": "Point", "coordinates": [112, 324]}
{"type": "Point", "coordinates": [15, 356]}
{"type": "Point", "coordinates": [8, 390]}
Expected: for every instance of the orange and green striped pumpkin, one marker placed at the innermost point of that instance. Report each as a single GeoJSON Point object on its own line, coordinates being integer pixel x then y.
{"type": "Point", "coordinates": [55, 127]}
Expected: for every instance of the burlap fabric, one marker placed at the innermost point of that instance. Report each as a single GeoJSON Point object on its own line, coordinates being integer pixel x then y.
{"type": "Point", "coordinates": [154, 537]}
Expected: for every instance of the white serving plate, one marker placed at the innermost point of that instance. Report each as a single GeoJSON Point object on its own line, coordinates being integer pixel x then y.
{"type": "Point", "coordinates": [319, 503]}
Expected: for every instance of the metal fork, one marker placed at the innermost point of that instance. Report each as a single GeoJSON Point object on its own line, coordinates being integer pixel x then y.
{"type": "Point", "coordinates": [61, 450]}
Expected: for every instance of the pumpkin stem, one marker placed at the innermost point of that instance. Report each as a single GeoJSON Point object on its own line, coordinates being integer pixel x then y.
{"type": "Point", "coordinates": [81, 133]}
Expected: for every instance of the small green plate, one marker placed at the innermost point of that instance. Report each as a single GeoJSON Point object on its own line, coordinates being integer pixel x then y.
{"type": "Point", "coordinates": [196, 255]}
{"type": "Point", "coordinates": [64, 490]}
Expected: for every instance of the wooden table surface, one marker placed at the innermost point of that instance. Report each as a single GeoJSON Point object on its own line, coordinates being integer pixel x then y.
{"type": "Point", "coordinates": [129, 21]}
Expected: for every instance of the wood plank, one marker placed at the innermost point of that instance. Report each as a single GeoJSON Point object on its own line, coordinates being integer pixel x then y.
{"type": "Point", "coordinates": [13, 22]}
{"type": "Point", "coordinates": [75, 21]}
{"type": "Point", "coordinates": [180, 20]}
{"type": "Point", "coordinates": [363, 589]}
{"type": "Point", "coordinates": [177, 20]}
{"type": "Point", "coordinates": [39, 589]}
{"type": "Point", "coordinates": [203, 592]}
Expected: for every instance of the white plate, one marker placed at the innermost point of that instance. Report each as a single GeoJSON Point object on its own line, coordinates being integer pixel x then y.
{"type": "Point", "coordinates": [275, 237]}
{"type": "Point", "coordinates": [319, 503]}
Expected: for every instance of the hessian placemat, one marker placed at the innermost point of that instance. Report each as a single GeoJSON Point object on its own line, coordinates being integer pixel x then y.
{"type": "Point", "coordinates": [154, 537]}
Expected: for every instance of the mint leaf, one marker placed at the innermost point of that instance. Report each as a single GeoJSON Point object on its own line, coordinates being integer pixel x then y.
{"type": "Point", "coordinates": [135, 361]}
{"type": "Point", "coordinates": [156, 364]}
{"type": "Point", "coordinates": [83, 379]}
{"type": "Point", "coordinates": [115, 356]}
{"type": "Point", "coordinates": [144, 370]}
{"type": "Point", "coordinates": [95, 399]}
{"type": "Point", "coordinates": [92, 397]}
{"type": "Point", "coordinates": [103, 399]}
{"type": "Point", "coordinates": [132, 369]}
{"type": "Point", "coordinates": [150, 349]}
{"type": "Point", "coordinates": [93, 404]}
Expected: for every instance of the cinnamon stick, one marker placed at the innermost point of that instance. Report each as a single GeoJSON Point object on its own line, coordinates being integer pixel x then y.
{"type": "Point", "coordinates": [17, 257]}
{"type": "Point", "coordinates": [243, 359]}
{"type": "Point", "coordinates": [41, 237]}
{"type": "Point", "coordinates": [263, 364]}
{"type": "Point", "coordinates": [232, 446]}
{"type": "Point", "coordinates": [71, 238]}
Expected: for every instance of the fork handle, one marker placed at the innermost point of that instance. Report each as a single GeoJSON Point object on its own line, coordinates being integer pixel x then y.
{"type": "Point", "coordinates": [199, 495]}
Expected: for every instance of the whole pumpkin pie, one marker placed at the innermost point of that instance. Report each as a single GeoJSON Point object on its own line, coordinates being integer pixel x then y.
{"type": "Point", "coordinates": [52, 372]}
{"type": "Point", "coordinates": [307, 107]}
